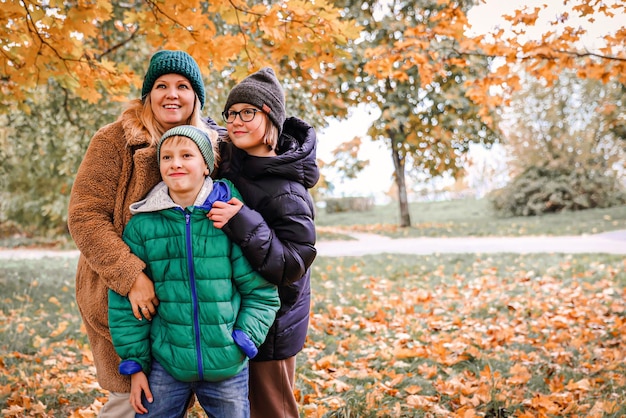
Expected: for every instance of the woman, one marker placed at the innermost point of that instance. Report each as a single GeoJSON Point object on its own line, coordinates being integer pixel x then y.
{"type": "Point", "coordinates": [118, 169]}
{"type": "Point", "coordinates": [271, 161]}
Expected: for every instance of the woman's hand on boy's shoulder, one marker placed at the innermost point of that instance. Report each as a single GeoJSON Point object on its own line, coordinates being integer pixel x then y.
{"type": "Point", "coordinates": [222, 212]}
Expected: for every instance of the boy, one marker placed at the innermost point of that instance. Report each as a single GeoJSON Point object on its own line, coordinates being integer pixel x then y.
{"type": "Point", "coordinates": [214, 310]}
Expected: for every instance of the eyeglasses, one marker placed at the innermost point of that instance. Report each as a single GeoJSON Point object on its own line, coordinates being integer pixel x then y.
{"type": "Point", "coordinates": [246, 115]}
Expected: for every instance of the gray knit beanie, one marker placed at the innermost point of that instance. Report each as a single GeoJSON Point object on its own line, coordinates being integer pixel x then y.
{"type": "Point", "coordinates": [198, 136]}
{"type": "Point", "coordinates": [174, 62]}
{"type": "Point", "coordinates": [261, 90]}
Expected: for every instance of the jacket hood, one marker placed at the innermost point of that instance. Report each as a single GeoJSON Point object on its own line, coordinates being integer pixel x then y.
{"type": "Point", "coordinates": [159, 199]}
{"type": "Point", "coordinates": [296, 159]}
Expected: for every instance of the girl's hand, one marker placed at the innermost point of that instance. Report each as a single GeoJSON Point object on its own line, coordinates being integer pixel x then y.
{"type": "Point", "coordinates": [142, 297]}
{"type": "Point", "coordinates": [221, 212]}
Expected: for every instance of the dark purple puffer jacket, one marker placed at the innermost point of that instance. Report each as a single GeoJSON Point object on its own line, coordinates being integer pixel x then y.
{"type": "Point", "coordinates": [275, 228]}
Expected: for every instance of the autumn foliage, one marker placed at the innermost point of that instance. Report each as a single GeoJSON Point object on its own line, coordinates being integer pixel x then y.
{"type": "Point", "coordinates": [71, 42]}
{"type": "Point", "coordinates": [510, 336]}
{"type": "Point", "coordinates": [390, 336]}
{"type": "Point", "coordinates": [443, 41]}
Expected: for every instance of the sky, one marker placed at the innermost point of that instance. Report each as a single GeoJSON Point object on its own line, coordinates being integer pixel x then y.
{"type": "Point", "coordinates": [376, 179]}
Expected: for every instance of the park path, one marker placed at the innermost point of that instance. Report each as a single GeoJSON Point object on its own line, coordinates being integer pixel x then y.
{"type": "Point", "coordinates": [607, 243]}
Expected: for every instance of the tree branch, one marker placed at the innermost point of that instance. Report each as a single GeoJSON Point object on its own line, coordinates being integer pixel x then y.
{"type": "Point", "coordinates": [117, 46]}
{"type": "Point", "coordinates": [241, 31]}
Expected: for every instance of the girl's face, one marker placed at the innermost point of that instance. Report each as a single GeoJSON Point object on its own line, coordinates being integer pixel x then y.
{"type": "Point", "coordinates": [248, 136]}
{"type": "Point", "coordinates": [183, 169]}
{"type": "Point", "coordinates": [172, 100]}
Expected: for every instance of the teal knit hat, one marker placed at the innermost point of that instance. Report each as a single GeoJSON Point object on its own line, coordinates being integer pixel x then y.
{"type": "Point", "coordinates": [198, 136]}
{"type": "Point", "coordinates": [174, 62]}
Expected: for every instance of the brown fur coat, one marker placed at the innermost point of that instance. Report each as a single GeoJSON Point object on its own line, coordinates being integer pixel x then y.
{"type": "Point", "coordinates": [116, 171]}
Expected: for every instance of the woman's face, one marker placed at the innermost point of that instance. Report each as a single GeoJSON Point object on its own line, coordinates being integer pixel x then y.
{"type": "Point", "coordinates": [248, 136]}
{"type": "Point", "coordinates": [172, 100]}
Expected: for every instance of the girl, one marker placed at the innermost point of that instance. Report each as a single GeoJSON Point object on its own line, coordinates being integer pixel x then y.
{"type": "Point", "coordinates": [271, 160]}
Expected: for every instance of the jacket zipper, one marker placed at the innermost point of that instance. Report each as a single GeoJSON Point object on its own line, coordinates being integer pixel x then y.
{"type": "Point", "coordinates": [194, 295]}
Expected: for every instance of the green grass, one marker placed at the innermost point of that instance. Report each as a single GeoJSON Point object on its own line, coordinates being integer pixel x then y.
{"type": "Point", "coordinates": [460, 218]}
{"type": "Point", "coordinates": [389, 336]}
{"type": "Point", "coordinates": [469, 217]}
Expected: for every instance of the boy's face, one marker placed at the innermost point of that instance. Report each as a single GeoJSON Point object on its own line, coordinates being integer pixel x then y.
{"type": "Point", "coordinates": [183, 168]}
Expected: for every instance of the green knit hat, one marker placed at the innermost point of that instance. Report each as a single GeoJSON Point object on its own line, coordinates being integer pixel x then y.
{"type": "Point", "coordinates": [174, 62]}
{"type": "Point", "coordinates": [262, 90]}
{"type": "Point", "coordinates": [198, 136]}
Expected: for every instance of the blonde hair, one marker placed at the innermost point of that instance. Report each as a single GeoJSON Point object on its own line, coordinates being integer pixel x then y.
{"type": "Point", "coordinates": [271, 133]}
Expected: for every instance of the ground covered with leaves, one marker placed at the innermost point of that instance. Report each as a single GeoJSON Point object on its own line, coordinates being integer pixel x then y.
{"type": "Point", "coordinates": [390, 336]}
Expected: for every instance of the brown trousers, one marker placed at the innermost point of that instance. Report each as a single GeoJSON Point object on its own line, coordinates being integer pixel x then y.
{"type": "Point", "coordinates": [271, 389]}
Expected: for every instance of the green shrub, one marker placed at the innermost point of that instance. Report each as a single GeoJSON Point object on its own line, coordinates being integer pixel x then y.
{"type": "Point", "coordinates": [540, 190]}
{"type": "Point", "coordinates": [349, 204]}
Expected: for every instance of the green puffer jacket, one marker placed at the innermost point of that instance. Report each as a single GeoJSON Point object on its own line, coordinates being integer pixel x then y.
{"type": "Point", "coordinates": [205, 286]}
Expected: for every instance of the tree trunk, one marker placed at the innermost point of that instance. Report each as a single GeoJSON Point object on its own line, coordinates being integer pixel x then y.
{"type": "Point", "coordinates": [398, 166]}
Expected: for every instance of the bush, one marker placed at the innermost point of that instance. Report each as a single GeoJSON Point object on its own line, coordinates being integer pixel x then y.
{"type": "Point", "coordinates": [349, 204]}
{"type": "Point", "coordinates": [540, 190]}
{"type": "Point", "coordinates": [40, 154]}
